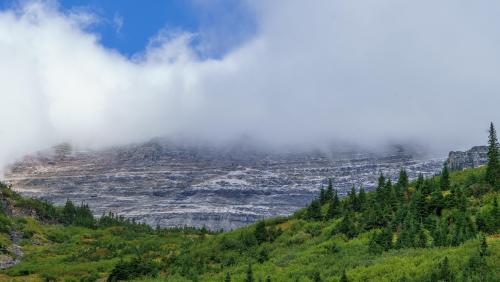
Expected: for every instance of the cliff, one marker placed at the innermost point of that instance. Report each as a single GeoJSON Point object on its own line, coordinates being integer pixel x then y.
{"type": "Point", "coordinates": [476, 156]}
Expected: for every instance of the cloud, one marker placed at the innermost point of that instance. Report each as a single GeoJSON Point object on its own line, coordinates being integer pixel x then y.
{"type": "Point", "coordinates": [117, 23]}
{"type": "Point", "coordinates": [363, 72]}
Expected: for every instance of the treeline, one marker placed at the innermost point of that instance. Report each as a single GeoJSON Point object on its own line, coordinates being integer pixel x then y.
{"type": "Point", "coordinates": [77, 215]}
{"type": "Point", "coordinates": [406, 212]}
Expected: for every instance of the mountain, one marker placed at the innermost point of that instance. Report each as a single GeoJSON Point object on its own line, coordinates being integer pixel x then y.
{"type": "Point", "coordinates": [221, 187]}
{"type": "Point", "coordinates": [473, 157]}
{"type": "Point", "coordinates": [436, 229]}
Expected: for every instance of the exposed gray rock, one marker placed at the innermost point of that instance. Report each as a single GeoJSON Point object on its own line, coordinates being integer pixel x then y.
{"type": "Point", "coordinates": [476, 156]}
{"type": "Point", "coordinates": [221, 188]}
{"type": "Point", "coordinates": [14, 252]}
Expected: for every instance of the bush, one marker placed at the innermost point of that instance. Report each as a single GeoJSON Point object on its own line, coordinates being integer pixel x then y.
{"type": "Point", "coordinates": [136, 268]}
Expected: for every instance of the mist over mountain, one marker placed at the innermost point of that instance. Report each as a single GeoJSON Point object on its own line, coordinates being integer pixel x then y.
{"type": "Point", "coordinates": [361, 73]}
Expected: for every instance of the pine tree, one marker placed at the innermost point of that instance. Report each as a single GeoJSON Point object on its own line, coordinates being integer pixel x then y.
{"type": "Point", "coordinates": [322, 196]}
{"type": "Point", "coordinates": [493, 167]}
{"type": "Point", "coordinates": [445, 272]}
{"type": "Point", "coordinates": [329, 190]}
{"type": "Point", "coordinates": [421, 238]}
{"type": "Point", "coordinates": [420, 182]}
{"type": "Point", "coordinates": [314, 210]}
{"type": "Point", "coordinates": [228, 277]}
{"type": "Point", "coordinates": [402, 185]}
{"type": "Point", "coordinates": [362, 201]}
{"type": "Point", "coordinates": [381, 181]}
{"type": "Point", "coordinates": [334, 207]}
{"type": "Point", "coordinates": [389, 195]}
{"type": "Point", "coordinates": [268, 278]}
{"type": "Point", "coordinates": [483, 248]}
{"type": "Point", "coordinates": [344, 278]}
{"type": "Point", "coordinates": [353, 200]}
{"type": "Point", "coordinates": [445, 178]}
{"type": "Point", "coordinates": [495, 215]}
{"type": "Point", "coordinates": [316, 277]}
{"type": "Point", "coordinates": [260, 232]}
{"type": "Point", "coordinates": [249, 277]}
{"type": "Point", "coordinates": [69, 213]}
{"type": "Point", "coordinates": [379, 192]}
{"type": "Point", "coordinates": [419, 204]}
{"type": "Point", "coordinates": [346, 226]}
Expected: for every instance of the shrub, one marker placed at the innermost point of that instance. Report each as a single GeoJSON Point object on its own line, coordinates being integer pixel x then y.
{"type": "Point", "coordinates": [136, 268]}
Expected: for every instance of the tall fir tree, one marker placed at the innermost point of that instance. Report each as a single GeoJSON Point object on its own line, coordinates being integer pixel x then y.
{"type": "Point", "coordinates": [316, 277]}
{"type": "Point", "coordinates": [347, 226]}
{"type": "Point", "coordinates": [314, 210]}
{"type": "Point", "coordinates": [445, 273]}
{"type": "Point", "coordinates": [353, 200]}
{"type": "Point", "coordinates": [483, 247]}
{"type": "Point", "coordinates": [249, 276]}
{"type": "Point", "coordinates": [445, 178]}
{"type": "Point", "coordinates": [344, 278]}
{"type": "Point", "coordinates": [420, 182]}
{"type": "Point", "coordinates": [402, 185]}
{"type": "Point", "coordinates": [362, 200]}
{"type": "Point", "coordinates": [381, 181]}
{"type": "Point", "coordinates": [228, 277]}
{"type": "Point", "coordinates": [493, 167]}
{"type": "Point", "coordinates": [334, 207]}
{"type": "Point", "coordinates": [329, 190]}
{"type": "Point", "coordinates": [260, 232]}
{"type": "Point", "coordinates": [322, 196]}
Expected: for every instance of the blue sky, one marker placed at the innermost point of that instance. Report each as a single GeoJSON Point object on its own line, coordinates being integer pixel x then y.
{"type": "Point", "coordinates": [128, 25]}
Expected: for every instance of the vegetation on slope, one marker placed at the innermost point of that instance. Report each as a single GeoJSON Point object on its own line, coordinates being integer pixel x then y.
{"type": "Point", "coordinates": [443, 228]}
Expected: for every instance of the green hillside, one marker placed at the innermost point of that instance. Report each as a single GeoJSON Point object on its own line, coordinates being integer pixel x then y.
{"type": "Point", "coordinates": [443, 228]}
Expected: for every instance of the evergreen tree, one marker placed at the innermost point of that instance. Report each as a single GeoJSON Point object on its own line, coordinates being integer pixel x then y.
{"type": "Point", "coordinates": [495, 215]}
{"type": "Point", "coordinates": [420, 182]}
{"type": "Point", "coordinates": [493, 167]}
{"type": "Point", "coordinates": [353, 200]}
{"type": "Point", "coordinates": [228, 277]}
{"type": "Point", "coordinates": [483, 248]}
{"type": "Point", "coordinates": [381, 241]}
{"type": "Point", "coordinates": [390, 198]}
{"type": "Point", "coordinates": [334, 207]}
{"type": "Point", "coordinates": [421, 238]}
{"type": "Point", "coordinates": [440, 233]}
{"type": "Point", "coordinates": [322, 196]}
{"type": "Point", "coordinates": [249, 276]}
{"type": "Point", "coordinates": [314, 210]}
{"type": "Point", "coordinates": [329, 190]}
{"type": "Point", "coordinates": [347, 226]}
{"type": "Point", "coordinates": [316, 277]}
{"type": "Point", "coordinates": [260, 232]}
{"type": "Point", "coordinates": [381, 181]}
{"type": "Point", "coordinates": [445, 178]}
{"type": "Point", "coordinates": [445, 272]}
{"type": "Point", "coordinates": [437, 202]}
{"type": "Point", "coordinates": [362, 201]}
{"type": "Point", "coordinates": [344, 278]}
{"type": "Point", "coordinates": [68, 213]}
{"type": "Point", "coordinates": [402, 185]}
{"type": "Point", "coordinates": [268, 278]}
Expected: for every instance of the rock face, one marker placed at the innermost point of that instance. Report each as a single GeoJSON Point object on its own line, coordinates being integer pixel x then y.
{"type": "Point", "coordinates": [476, 156]}
{"type": "Point", "coordinates": [220, 188]}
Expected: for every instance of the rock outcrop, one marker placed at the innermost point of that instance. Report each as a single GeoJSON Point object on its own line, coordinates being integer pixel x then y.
{"type": "Point", "coordinates": [476, 156]}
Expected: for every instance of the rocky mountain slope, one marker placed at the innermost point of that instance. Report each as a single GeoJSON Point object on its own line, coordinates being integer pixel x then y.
{"type": "Point", "coordinates": [476, 156]}
{"type": "Point", "coordinates": [170, 185]}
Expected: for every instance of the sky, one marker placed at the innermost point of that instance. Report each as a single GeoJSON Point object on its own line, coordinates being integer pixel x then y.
{"type": "Point", "coordinates": [300, 73]}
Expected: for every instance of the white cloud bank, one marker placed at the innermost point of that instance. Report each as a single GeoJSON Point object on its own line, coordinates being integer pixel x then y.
{"type": "Point", "coordinates": [366, 72]}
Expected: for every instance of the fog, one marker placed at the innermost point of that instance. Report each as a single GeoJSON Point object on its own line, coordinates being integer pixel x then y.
{"type": "Point", "coordinates": [367, 73]}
